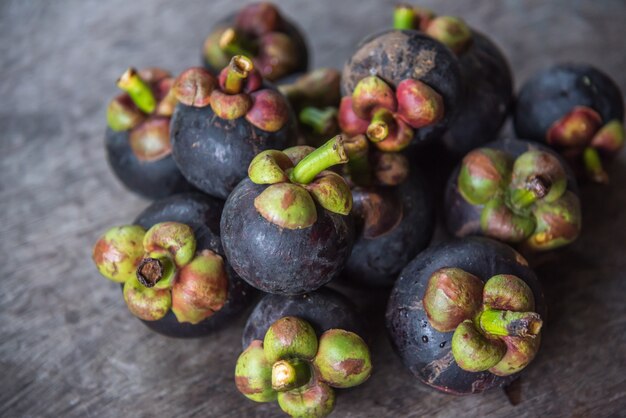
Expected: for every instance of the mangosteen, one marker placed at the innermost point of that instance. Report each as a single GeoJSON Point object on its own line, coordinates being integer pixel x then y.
{"type": "Point", "coordinates": [515, 191]}
{"type": "Point", "coordinates": [137, 138]}
{"type": "Point", "coordinates": [259, 31]}
{"type": "Point", "coordinates": [487, 83]}
{"type": "Point", "coordinates": [576, 109]}
{"type": "Point", "coordinates": [466, 315]}
{"type": "Point", "coordinates": [299, 370]}
{"type": "Point", "coordinates": [399, 87]}
{"type": "Point", "coordinates": [324, 309]}
{"type": "Point", "coordinates": [171, 266]}
{"type": "Point", "coordinates": [285, 228]}
{"type": "Point", "coordinates": [220, 124]}
{"type": "Point", "coordinates": [394, 213]}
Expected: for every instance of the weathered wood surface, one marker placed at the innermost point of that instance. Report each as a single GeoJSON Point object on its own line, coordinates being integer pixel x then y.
{"type": "Point", "coordinates": [68, 347]}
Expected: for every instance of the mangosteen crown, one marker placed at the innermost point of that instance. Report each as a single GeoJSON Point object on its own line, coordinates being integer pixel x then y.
{"type": "Point", "coordinates": [582, 134]}
{"type": "Point", "coordinates": [297, 178]}
{"type": "Point", "coordinates": [494, 325]}
{"type": "Point", "coordinates": [145, 110]}
{"type": "Point", "coordinates": [257, 31]}
{"type": "Point", "coordinates": [525, 200]}
{"type": "Point", "coordinates": [236, 93]}
{"type": "Point", "coordinates": [300, 371]}
{"type": "Point", "coordinates": [386, 117]}
{"type": "Point", "coordinates": [162, 271]}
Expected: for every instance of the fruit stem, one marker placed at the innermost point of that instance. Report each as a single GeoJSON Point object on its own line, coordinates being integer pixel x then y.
{"type": "Point", "coordinates": [329, 154]}
{"type": "Point", "coordinates": [510, 323]}
{"type": "Point", "coordinates": [322, 121]}
{"type": "Point", "coordinates": [403, 17]}
{"type": "Point", "coordinates": [155, 270]}
{"type": "Point", "coordinates": [238, 70]}
{"type": "Point", "coordinates": [593, 166]}
{"type": "Point", "coordinates": [359, 165]}
{"type": "Point", "coordinates": [233, 43]}
{"type": "Point", "coordinates": [138, 90]}
{"type": "Point", "coordinates": [381, 123]}
{"type": "Point", "coordinates": [290, 374]}
{"type": "Point", "coordinates": [535, 188]}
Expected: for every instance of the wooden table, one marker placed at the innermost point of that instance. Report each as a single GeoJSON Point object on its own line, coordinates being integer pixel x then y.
{"type": "Point", "coordinates": [68, 346]}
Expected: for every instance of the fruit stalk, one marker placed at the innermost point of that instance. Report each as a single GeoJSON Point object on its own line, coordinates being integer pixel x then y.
{"type": "Point", "coordinates": [138, 90]}
{"type": "Point", "coordinates": [329, 154]}
{"type": "Point", "coordinates": [510, 323]}
{"type": "Point", "coordinates": [238, 70]}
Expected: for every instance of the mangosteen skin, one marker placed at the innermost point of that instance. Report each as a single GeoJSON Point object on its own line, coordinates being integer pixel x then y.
{"type": "Point", "coordinates": [324, 309]}
{"type": "Point", "coordinates": [425, 351]}
{"type": "Point", "coordinates": [376, 262]}
{"type": "Point", "coordinates": [150, 179]}
{"type": "Point", "coordinates": [281, 260]}
{"type": "Point", "coordinates": [202, 213]}
{"type": "Point", "coordinates": [396, 55]}
{"type": "Point", "coordinates": [487, 97]}
{"type": "Point", "coordinates": [287, 27]}
{"type": "Point", "coordinates": [552, 93]}
{"type": "Point", "coordinates": [463, 218]}
{"type": "Point", "coordinates": [214, 153]}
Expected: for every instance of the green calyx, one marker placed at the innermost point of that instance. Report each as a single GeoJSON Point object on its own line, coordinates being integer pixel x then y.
{"type": "Point", "coordinates": [358, 167]}
{"type": "Point", "coordinates": [123, 115]}
{"type": "Point", "coordinates": [343, 359]}
{"type": "Point", "coordinates": [514, 195]}
{"type": "Point", "coordinates": [139, 91]}
{"type": "Point", "coordinates": [488, 320]}
{"type": "Point", "coordinates": [161, 271]}
{"type": "Point", "coordinates": [297, 179]}
{"type": "Point", "coordinates": [290, 365]}
{"type": "Point", "coordinates": [321, 121]}
{"type": "Point", "coordinates": [450, 31]}
{"type": "Point", "coordinates": [593, 166]}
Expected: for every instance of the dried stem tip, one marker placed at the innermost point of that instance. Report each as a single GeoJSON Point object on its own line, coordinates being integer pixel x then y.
{"type": "Point", "coordinates": [238, 70]}
{"type": "Point", "coordinates": [138, 90]}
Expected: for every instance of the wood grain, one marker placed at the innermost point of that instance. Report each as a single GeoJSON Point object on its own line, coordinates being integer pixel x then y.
{"type": "Point", "coordinates": [68, 346]}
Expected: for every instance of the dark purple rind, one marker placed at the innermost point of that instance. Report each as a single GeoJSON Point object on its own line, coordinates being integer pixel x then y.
{"type": "Point", "coordinates": [278, 260]}
{"type": "Point", "coordinates": [463, 218]}
{"type": "Point", "coordinates": [377, 262]}
{"type": "Point", "coordinates": [394, 56]}
{"type": "Point", "coordinates": [324, 309]}
{"type": "Point", "coordinates": [552, 93]}
{"type": "Point", "coordinates": [214, 153]}
{"type": "Point", "coordinates": [202, 213]}
{"type": "Point", "coordinates": [150, 179]}
{"type": "Point", "coordinates": [425, 351]}
{"type": "Point", "coordinates": [288, 27]}
{"type": "Point", "coordinates": [487, 98]}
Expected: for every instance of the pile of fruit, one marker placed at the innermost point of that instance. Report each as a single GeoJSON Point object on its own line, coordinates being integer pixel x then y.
{"type": "Point", "coordinates": [285, 187]}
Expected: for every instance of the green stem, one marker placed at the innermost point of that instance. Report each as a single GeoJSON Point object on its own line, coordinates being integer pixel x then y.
{"type": "Point", "coordinates": [403, 17]}
{"type": "Point", "coordinates": [359, 165]}
{"type": "Point", "coordinates": [290, 374]}
{"type": "Point", "coordinates": [237, 73]}
{"type": "Point", "coordinates": [234, 43]}
{"type": "Point", "coordinates": [380, 125]}
{"type": "Point", "coordinates": [156, 272]}
{"type": "Point", "coordinates": [514, 324]}
{"type": "Point", "coordinates": [139, 91]}
{"type": "Point", "coordinates": [329, 154]}
{"type": "Point", "coordinates": [321, 121]}
{"type": "Point", "coordinates": [593, 166]}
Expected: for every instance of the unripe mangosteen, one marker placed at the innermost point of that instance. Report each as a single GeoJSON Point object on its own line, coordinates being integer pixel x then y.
{"type": "Point", "coordinates": [576, 109]}
{"type": "Point", "coordinates": [285, 228]}
{"type": "Point", "coordinates": [515, 191]}
{"type": "Point", "coordinates": [292, 365]}
{"type": "Point", "coordinates": [399, 87]}
{"type": "Point", "coordinates": [137, 138]}
{"type": "Point", "coordinates": [172, 269]}
{"type": "Point", "coordinates": [465, 315]}
{"type": "Point", "coordinates": [220, 124]}
{"type": "Point", "coordinates": [324, 309]}
{"type": "Point", "coordinates": [259, 31]}
{"type": "Point", "coordinates": [394, 212]}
